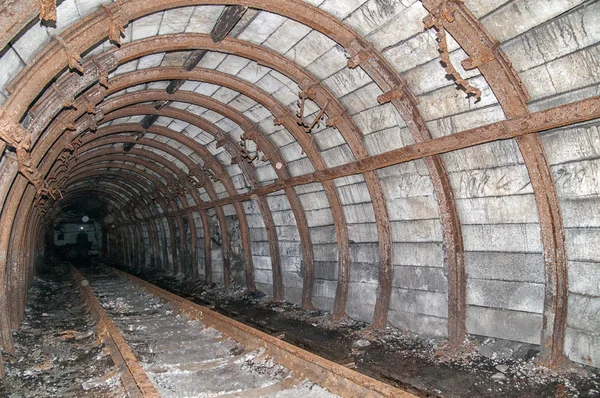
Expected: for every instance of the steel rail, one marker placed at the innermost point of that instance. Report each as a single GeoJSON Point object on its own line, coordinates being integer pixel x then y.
{"type": "Point", "coordinates": [134, 378]}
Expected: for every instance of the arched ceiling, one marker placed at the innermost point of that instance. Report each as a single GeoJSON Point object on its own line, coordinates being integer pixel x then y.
{"type": "Point", "coordinates": [377, 158]}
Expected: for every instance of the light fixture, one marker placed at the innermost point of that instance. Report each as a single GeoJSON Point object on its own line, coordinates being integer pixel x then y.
{"type": "Point", "coordinates": [85, 219]}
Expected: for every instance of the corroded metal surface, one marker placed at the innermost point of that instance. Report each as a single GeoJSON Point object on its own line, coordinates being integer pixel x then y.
{"type": "Point", "coordinates": [560, 116]}
{"type": "Point", "coordinates": [485, 54]}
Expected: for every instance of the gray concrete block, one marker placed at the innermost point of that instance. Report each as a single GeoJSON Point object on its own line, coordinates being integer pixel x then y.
{"type": "Point", "coordinates": [584, 312]}
{"type": "Point", "coordinates": [289, 249]}
{"type": "Point", "coordinates": [418, 208]}
{"type": "Point", "coordinates": [314, 201]}
{"type": "Point", "coordinates": [364, 293]}
{"type": "Point", "coordinates": [292, 280]}
{"type": "Point", "coordinates": [557, 76]}
{"type": "Point", "coordinates": [418, 323]}
{"type": "Point", "coordinates": [265, 288]}
{"type": "Point", "coordinates": [424, 254]}
{"type": "Point", "coordinates": [325, 252]}
{"type": "Point", "coordinates": [498, 210]}
{"type": "Point", "coordinates": [354, 194]}
{"type": "Point", "coordinates": [420, 278]}
{"type": "Point", "coordinates": [386, 140]}
{"type": "Point", "coordinates": [264, 277]}
{"type": "Point", "coordinates": [323, 303]}
{"type": "Point", "coordinates": [359, 213]}
{"type": "Point", "coordinates": [287, 233]}
{"type": "Point", "coordinates": [504, 324]}
{"type": "Point", "coordinates": [363, 233]}
{"type": "Point", "coordinates": [318, 218]}
{"type": "Point", "coordinates": [406, 186]}
{"type": "Point", "coordinates": [311, 47]}
{"type": "Point", "coordinates": [326, 270]}
{"type": "Point", "coordinates": [522, 238]}
{"type": "Point", "coordinates": [524, 267]}
{"type": "Point", "coordinates": [327, 138]}
{"type": "Point", "coordinates": [581, 212]}
{"type": "Point", "coordinates": [584, 277]}
{"type": "Point", "coordinates": [291, 264]}
{"type": "Point", "coordinates": [360, 310]}
{"type": "Point", "coordinates": [361, 99]}
{"type": "Point", "coordinates": [286, 36]}
{"type": "Point", "coordinates": [523, 14]}
{"type": "Point", "coordinates": [373, 14]}
{"type": "Point", "coordinates": [367, 253]}
{"type": "Point", "coordinates": [284, 218]}
{"type": "Point", "coordinates": [420, 302]}
{"type": "Point", "coordinates": [406, 24]}
{"type": "Point", "coordinates": [572, 143]}
{"type": "Point", "coordinates": [278, 202]}
{"type": "Point", "coordinates": [378, 118]}
{"type": "Point", "coordinates": [583, 347]}
{"type": "Point", "coordinates": [337, 156]}
{"type": "Point", "coordinates": [526, 297]}
{"type": "Point", "coordinates": [417, 231]}
{"type": "Point", "coordinates": [364, 272]}
{"type": "Point", "coordinates": [324, 288]}
{"type": "Point", "coordinates": [328, 63]}
{"type": "Point", "coordinates": [261, 262]}
{"type": "Point", "coordinates": [320, 235]}
{"type": "Point", "coordinates": [577, 178]}
{"type": "Point", "coordinates": [583, 244]}
{"type": "Point", "coordinates": [497, 181]}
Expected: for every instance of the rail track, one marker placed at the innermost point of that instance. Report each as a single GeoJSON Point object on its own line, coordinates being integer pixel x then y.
{"type": "Point", "coordinates": [167, 346]}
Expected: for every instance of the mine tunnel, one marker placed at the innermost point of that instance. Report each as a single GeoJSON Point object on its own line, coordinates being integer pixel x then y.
{"type": "Point", "coordinates": [400, 196]}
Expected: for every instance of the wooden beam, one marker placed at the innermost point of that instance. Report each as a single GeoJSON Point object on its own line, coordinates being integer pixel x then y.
{"type": "Point", "coordinates": [230, 16]}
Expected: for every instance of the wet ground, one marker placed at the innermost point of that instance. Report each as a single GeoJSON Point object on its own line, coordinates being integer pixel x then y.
{"type": "Point", "coordinates": [481, 368]}
{"type": "Point", "coordinates": [57, 351]}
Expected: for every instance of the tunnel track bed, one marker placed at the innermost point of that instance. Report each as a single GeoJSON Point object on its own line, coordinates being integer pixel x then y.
{"type": "Point", "coordinates": [401, 359]}
{"type": "Point", "coordinates": [165, 331]}
{"type": "Point", "coordinates": [57, 352]}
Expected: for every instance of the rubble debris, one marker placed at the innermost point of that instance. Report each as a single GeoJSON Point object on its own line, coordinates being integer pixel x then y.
{"type": "Point", "coordinates": [57, 350]}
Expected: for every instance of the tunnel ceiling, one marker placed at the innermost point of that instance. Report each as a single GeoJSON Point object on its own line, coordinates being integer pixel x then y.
{"type": "Point", "coordinates": [429, 164]}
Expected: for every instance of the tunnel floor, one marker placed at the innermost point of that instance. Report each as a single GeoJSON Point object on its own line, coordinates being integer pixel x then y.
{"type": "Point", "coordinates": [484, 367]}
{"type": "Point", "coordinates": [58, 352]}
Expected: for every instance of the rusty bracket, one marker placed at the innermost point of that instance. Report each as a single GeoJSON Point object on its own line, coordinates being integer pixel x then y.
{"type": "Point", "coordinates": [244, 152]}
{"type": "Point", "coordinates": [75, 144]}
{"type": "Point", "coordinates": [437, 19]}
{"type": "Point", "coordinates": [308, 127]}
{"type": "Point", "coordinates": [15, 135]}
{"type": "Point", "coordinates": [481, 57]}
{"type": "Point", "coordinates": [357, 57]}
{"type": "Point", "coordinates": [67, 101]}
{"type": "Point", "coordinates": [72, 55]}
{"type": "Point", "coordinates": [210, 172]}
{"type": "Point", "coordinates": [90, 123]}
{"type": "Point", "coordinates": [102, 75]}
{"type": "Point", "coordinates": [196, 177]}
{"type": "Point", "coordinates": [116, 29]}
{"type": "Point", "coordinates": [47, 10]}
{"type": "Point", "coordinates": [397, 92]}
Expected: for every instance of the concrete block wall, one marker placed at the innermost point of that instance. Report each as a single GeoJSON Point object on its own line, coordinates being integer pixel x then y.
{"type": "Point", "coordinates": [574, 154]}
